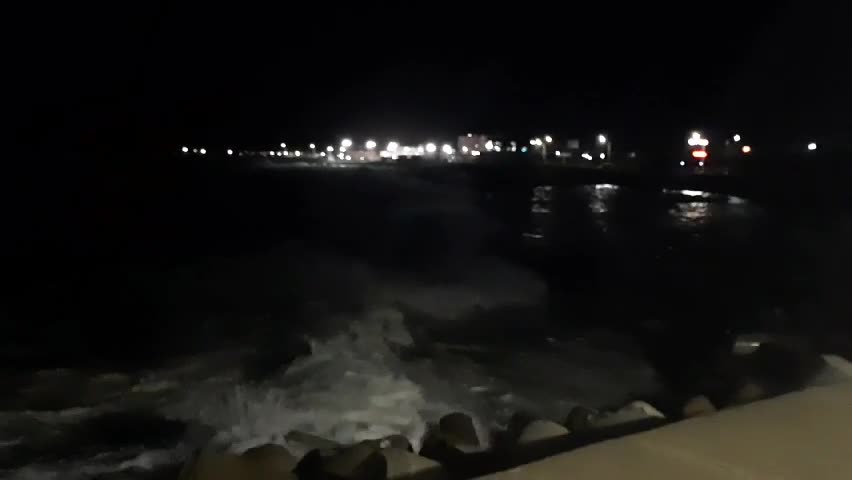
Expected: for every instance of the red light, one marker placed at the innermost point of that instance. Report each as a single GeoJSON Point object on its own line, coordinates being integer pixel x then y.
{"type": "Point", "coordinates": [699, 154]}
{"type": "Point", "coordinates": [746, 149]}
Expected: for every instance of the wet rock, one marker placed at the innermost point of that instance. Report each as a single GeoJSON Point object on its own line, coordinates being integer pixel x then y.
{"type": "Point", "coordinates": [634, 412]}
{"type": "Point", "coordinates": [361, 461]}
{"type": "Point", "coordinates": [698, 406]}
{"type": "Point", "coordinates": [399, 442]}
{"type": "Point", "coordinates": [580, 418]}
{"type": "Point", "coordinates": [403, 464]}
{"type": "Point", "coordinates": [750, 391]}
{"type": "Point", "coordinates": [266, 462]}
{"type": "Point", "coordinates": [458, 430]}
{"type": "Point", "coordinates": [301, 442]}
{"type": "Point", "coordinates": [274, 458]}
{"type": "Point", "coordinates": [541, 430]}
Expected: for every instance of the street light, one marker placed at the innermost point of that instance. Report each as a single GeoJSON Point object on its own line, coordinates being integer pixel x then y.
{"type": "Point", "coordinates": [431, 148]}
{"type": "Point", "coordinates": [737, 138]}
{"type": "Point", "coordinates": [329, 148]}
{"type": "Point", "coordinates": [447, 149]}
{"type": "Point", "coordinates": [230, 152]}
{"type": "Point", "coordinates": [548, 139]}
{"type": "Point", "coordinates": [346, 142]}
{"type": "Point", "coordinates": [812, 146]}
{"type": "Point", "coordinates": [371, 144]}
{"type": "Point", "coordinates": [393, 146]}
{"type": "Point", "coordinates": [312, 146]}
{"type": "Point", "coordinates": [203, 151]}
{"type": "Point", "coordinates": [283, 145]}
{"type": "Point", "coordinates": [601, 139]}
{"type": "Point", "coordinates": [184, 149]}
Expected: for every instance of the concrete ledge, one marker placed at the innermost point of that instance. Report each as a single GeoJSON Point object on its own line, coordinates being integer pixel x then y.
{"type": "Point", "coordinates": [804, 435]}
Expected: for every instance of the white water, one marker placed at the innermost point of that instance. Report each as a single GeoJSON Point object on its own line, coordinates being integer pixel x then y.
{"type": "Point", "coordinates": [355, 385]}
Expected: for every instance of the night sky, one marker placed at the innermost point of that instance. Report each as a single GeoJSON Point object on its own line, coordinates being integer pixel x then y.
{"type": "Point", "coordinates": [160, 74]}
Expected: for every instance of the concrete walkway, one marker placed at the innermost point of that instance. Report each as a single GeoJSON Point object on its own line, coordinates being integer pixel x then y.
{"type": "Point", "coordinates": [804, 435]}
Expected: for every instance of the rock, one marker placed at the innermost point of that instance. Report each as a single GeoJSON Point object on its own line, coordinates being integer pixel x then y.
{"type": "Point", "coordinates": [210, 465]}
{"type": "Point", "coordinates": [272, 457]}
{"type": "Point", "coordinates": [458, 430]}
{"type": "Point", "coordinates": [697, 406]}
{"type": "Point", "coordinates": [403, 464]}
{"type": "Point", "coordinates": [300, 442]}
{"type": "Point", "coordinates": [399, 442]}
{"type": "Point", "coordinates": [359, 462]}
{"type": "Point", "coordinates": [749, 392]}
{"type": "Point", "coordinates": [541, 430]}
{"type": "Point", "coordinates": [633, 412]}
{"type": "Point", "coordinates": [580, 418]}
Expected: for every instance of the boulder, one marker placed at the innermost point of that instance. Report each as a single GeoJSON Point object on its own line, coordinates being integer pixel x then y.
{"type": "Point", "coordinates": [541, 430]}
{"type": "Point", "coordinates": [403, 464]}
{"type": "Point", "coordinates": [458, 430]}
{"type": "Point", "coordinates": [750, 391]}
{"type": "Point", "coordinates": [272, 457]}
{"type": "Point", "coordinates": [634, 412]}
{"type": "Point", "coordinates": [697, 406]}
{"type": "Point", "coordinates": [580, 418]}
{"type": "Point", "coordinates": [211, 465]}
{"type": "Point", "coordinates": [397, 441]}
{"type": "Point", "coordinates": [361, 461]}
{"type": "Point", "coordinates": [300, 442]}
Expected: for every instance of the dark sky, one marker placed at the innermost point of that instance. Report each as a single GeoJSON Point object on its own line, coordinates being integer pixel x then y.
{"type": "Point", "coordinates": [160, 74]}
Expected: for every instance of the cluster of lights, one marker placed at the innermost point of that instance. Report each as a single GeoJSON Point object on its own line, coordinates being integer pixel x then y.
{"type": "Point", "coordinates": [696, 140]}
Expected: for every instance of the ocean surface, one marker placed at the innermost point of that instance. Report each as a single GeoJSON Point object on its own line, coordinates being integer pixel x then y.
{"type": "Point", "coordinates": [356, 312]}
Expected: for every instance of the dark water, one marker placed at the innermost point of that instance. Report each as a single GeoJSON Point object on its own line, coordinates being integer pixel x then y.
{"type": "Point", "coordinates": [187, 306]}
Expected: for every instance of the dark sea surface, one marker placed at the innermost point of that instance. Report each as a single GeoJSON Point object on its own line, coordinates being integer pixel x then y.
{"type": "Point", "coordinates": [356, 304]}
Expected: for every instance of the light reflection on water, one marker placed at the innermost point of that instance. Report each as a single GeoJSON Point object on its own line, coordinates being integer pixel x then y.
{"type": "Point", "coordinates": [605, 203]}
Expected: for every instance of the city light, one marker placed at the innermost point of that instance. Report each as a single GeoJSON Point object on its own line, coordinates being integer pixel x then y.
{"type": "Point", "coordinates": [447, 149]}
{"type": "Point", "coordinates": [346, 142]}
{"type": "Point", "coordinates": [298, 153]}
{"type": "Point", "coordinates": [682, 163]}
{"type": "Point", "coordinates": [348, 157]}
{"type": "Point", "coordinates": [393, 146]}
{"type": "Point", "coordinates": [699, 153]}
{"type": "Point", "coordinates": [469, 135]}
{"type": "Point", "coordinates": [371, 144]}
{"type": "Point", "coordinates": [283, 145]}
{"type": "Point", "coordinates": [548, 139]}
{"type": "Point", "coordinates": [420, 149]}
{"type": "Point", "coordinates": [286, 153]}
{"type": "Point", "coordinates": [475, 153]}
{"type": "Point", "coordinates": [737, 138]}
{"type": "Point", "coordinates": [700, 164]}
{"type": "Point", "coordinates": [203, 151]}
{"type": "Point", "coordinates": [558, 153]}
{"type": "Point", "coordinates": [812, 146]}
{"type": "Point", "coordinates": [271, 153]}
{"type": "Point", "coordinates": [312, 146]}
{"type": "Point", "coordinates": [194, 150]}
{"type": "Point", "coordinates": [524, 149]}
{"type": "Point", "coordinates": [329, 148]}
{"type": "Point", "coordinates": [746, 149]}
{"type": "Point", "coordinates": [603, 156]}
{"type": "Point", "coordinates": [184, 149]}
{"type": "Point", "coordinates": [322, 154]}
{"type": "Point", "coordinates": [587, 156]}
{"type": "Point", "coordinates": [230, 152]}
{"type": "Point", "coordinates": [532, 141]}
{"type": "Point", "coordinates": [431, 148]}
{"type": "Point", "coordinates": [602, 139]}
{"type": "Point", "coordinates": [489, 145]}
{"type": "Point", "coordinates": [464, 149]}
{"type": "Point", "coordinates": [342, 148]}
{"type": "Point", "coordinates": [340, 156]}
